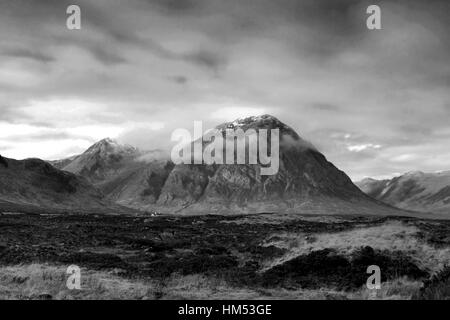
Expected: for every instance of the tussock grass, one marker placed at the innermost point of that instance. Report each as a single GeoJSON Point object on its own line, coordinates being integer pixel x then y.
{"type": "Point", "coordinates": [397, 289]}
{"type": "Point", "coordinates": [392, 236]}
{"type": "Point", "coordinates": [40, 281]}
{"type": "Point", "coordinates": [437, 288]}
{"type": "Point", "coordinates": [204, 258]}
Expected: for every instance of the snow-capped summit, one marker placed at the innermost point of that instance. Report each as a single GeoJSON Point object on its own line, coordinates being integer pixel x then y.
{"type": "Point", "coordinates": [265, 121]}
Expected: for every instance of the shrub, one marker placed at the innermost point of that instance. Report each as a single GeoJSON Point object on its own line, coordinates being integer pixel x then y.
{"type": "Point", "coordinates": [437, 288]}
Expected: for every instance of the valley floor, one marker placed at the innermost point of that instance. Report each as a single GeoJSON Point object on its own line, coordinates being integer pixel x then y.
{"type": "Point", "coordinates": [265, 256]}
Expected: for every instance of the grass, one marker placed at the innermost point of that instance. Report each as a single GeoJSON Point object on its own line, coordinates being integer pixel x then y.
{"type": "Point", "coordinates": [327, 267]}
{"type": "Point", "coordinates": [437, 288]}
{"type": "Point", "coordinates": [214, 257]}
{"type": "Point", "coordinates": [41, 281]}
{"type": "Point", "coordinates": [392, 235]}
{"type": "Point", "coordinates": [396, 289]}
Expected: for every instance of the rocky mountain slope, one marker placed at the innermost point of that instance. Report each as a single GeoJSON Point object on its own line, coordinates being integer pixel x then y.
{"type": "Point", "coordinates": [304, 175]}
{"type": "Point", "coordinates": [34, 185]}
{"type": "Point", "coordinates": [305, 181]}
{"type": "Point", "coordinates": [122, 173]}
{"type": "Point", "coordinates": [418, 191]}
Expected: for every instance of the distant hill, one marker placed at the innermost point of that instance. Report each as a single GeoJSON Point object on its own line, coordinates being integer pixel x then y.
{"type": "Point", "coordinates": [418, 191]}
{"type": "Point", "coordinates": [124, 174]}
{"type": "Point", "coordinates": [35, 185]}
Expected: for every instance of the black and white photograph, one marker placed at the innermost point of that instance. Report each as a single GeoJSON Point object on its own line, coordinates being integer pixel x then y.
{"type": "Point", "coordinates": [224, 150]}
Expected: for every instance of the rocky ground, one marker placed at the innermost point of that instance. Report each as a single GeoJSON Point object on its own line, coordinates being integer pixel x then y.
{"type": "Point", "coordinates": [266, 255]}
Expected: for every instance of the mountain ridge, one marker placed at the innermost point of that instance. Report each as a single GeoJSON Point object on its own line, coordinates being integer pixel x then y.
{"type": "Point", "coordinates": [305, 177]}
{"type": "Point", "coordinates": [123, 173]}
{"type": "Point", "coordinates": [414, 190]}
{"type": "Point", "coordinates": [306, 181]}
{"type": "Point", "coordinates": [34, 183]}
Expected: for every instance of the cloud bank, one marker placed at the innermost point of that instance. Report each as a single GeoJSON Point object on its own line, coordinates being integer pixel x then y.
{"type": "Point", "coordinates": [376, 103]}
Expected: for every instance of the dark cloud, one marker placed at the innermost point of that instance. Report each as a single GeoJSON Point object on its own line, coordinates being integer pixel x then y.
{"type": "Point", "coordinates": [206, 59]}
{"type": "Point", "coordinates": [10, 113]}
{"type": "Point", "coordinates": [324, 107]}
{"type": "Point", "coordinates": [179, 79]}
{"type": "Point", "coordinates": [177, 6]}
{"type": "Point", "coordinates": [57, 136]}
{"type": "Point", "coordinates": [27, 54]}
{"type": "Point", "coordinates": [374, 102]}
{"type": "Point", "coordinates": [42, 124]}
{"type": "Point", "coordinates": [108, 57]}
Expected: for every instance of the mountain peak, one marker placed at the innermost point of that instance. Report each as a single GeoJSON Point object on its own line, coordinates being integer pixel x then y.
{"type": "Point", "coordinates": [105, 142]}
{"type": "Point", "coordinates": [264, 117]}
{"type": "Point", "coordinates": [415, 173]}
{"type": "Point", "coordinates": [108, 140]}
{"type": "Point", "coordinates": [262, 120]}
{"type": "Point", "coordinates": [109, 145]}
{"type": "Point", "coordinates": [265, 121]}
{"type": "Point", "coordinates": [101, 158]}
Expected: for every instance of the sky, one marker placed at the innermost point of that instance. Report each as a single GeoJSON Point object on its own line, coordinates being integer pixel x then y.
{"type": "Point", "coordinates": [376, 103]}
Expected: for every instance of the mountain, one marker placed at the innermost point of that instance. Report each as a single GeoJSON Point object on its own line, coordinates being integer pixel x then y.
{"type": "Point", "coordinates": [418, 191]}
{"type": "Point", "coordinates": [110, 175]}
{"type": "Point", "coordinates": [60, 164]}
{"type": "Point", "coordinates": [36, 186]}
{"type": "Point", "coordinates": [305, 182]}
{"type": "Point", "coordinates": [123, 173]}
{"type": "Point", "coordinates": [101, 161]}
{"type": "Point", "coordinates": [372, 187]}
